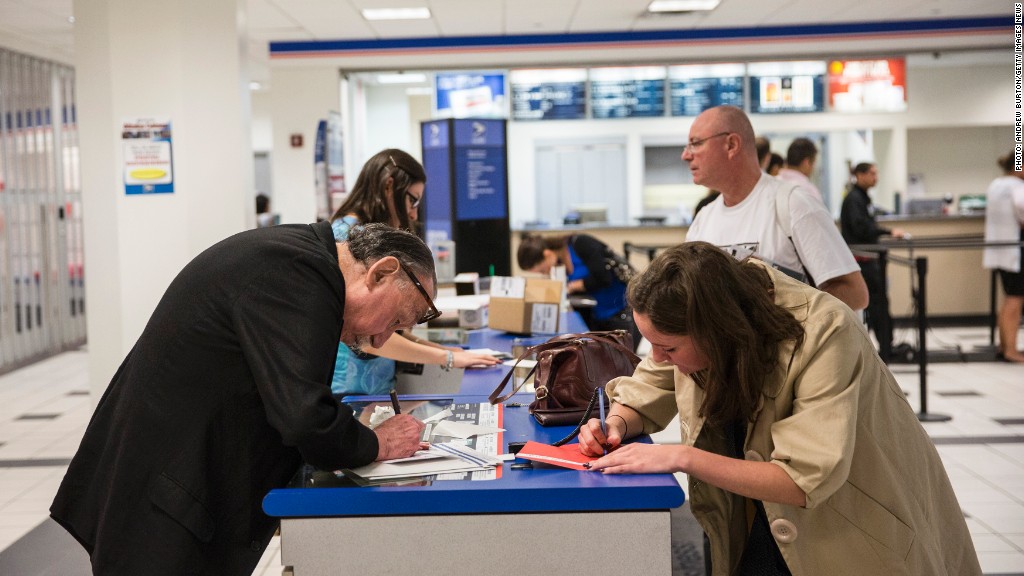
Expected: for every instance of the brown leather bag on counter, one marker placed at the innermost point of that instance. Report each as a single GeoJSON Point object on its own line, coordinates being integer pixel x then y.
{"type": "Point", "coordinates": [568, 369]}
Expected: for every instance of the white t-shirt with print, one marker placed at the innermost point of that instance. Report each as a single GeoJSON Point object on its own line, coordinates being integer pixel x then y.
{"type": "Point", "coordinates": [822, 250]}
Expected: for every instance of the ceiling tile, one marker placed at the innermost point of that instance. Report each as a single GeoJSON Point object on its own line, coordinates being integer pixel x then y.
{"type": "Point", "coordinates": [539, 16]}
{"type": "Point", "coordinates": [472, 18]}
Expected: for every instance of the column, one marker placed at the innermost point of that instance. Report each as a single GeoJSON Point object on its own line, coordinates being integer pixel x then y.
{"type": "Point", "coordinates": [183, 61]}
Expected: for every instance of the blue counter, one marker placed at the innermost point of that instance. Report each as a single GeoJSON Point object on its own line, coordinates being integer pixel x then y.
{"type": "Point", "coordinates": [544, 520]}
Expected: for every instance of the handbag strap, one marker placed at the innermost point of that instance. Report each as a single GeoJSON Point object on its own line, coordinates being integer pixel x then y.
{"type": "Point", "coordinates": [586, 416]}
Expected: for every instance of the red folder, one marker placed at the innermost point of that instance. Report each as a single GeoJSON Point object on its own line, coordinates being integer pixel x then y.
{"type": "Point", "coordinates": [566, 456]}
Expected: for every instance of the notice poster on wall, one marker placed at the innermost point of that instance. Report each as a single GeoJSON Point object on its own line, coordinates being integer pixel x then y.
{"type": "Point", "coordinates": [787, 87]}
{"type": "Point", "coordinates": [146, 143]}
{"type": "Point", "coordinates": [549, 94]}
{"type": "Point", "coordinates": [470, 95]}
{"type": "Point", "coordinates": [695, 88]}
{"type": "Point", "coordinates": [868, 85]}
{"type": "Point", "coordinates": [632, 92]}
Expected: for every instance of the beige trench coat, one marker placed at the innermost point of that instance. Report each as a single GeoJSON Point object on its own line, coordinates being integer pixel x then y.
{"type": "Point", "coordinates": [878, 498]}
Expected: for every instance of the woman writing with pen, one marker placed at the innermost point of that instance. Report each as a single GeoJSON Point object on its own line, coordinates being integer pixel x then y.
{"type": "Point", "coordinates": [802, 453]}
{"type": "Point", "coordinates": [389, 190]}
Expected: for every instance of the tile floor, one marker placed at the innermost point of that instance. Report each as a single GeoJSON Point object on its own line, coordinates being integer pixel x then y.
{"type": "Point", "coordinates": [45, 407]}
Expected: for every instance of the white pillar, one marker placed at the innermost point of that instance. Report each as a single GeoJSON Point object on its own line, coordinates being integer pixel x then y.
{"type": "Point", "coordinates": [183, 61]}
{"type": "Point", "coordinates": [299, 98]}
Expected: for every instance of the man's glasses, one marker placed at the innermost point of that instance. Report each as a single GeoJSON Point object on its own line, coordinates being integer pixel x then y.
{"type": "Point", "coordinates": [693, 145]}
{"type": "Point", "coordinates": [432, 311]}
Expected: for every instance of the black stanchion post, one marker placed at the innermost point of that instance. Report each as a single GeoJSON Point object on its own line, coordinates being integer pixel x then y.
{"type": "Point", "coordinates": [992, 309]}
{"type": "Point", "coordinates": [922, 334]}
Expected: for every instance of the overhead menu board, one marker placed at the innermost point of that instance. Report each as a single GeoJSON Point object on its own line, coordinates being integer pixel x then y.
{"type": "Point", "coordinates": [868, 85]}
{"type": "Point", "coordinates": [695, 88]}
{"type": "Point", "coordinates": [470, 95]}
{"type": "Point", "coordinates": [549, 94]}
{"type": "Point", "coordinates": [627, 92]}
{"type": "Point", "coordinates": [787, 87]}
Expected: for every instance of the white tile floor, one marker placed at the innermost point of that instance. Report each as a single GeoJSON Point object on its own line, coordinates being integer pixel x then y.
{"type": "Point", "coordinates": [45, 407]}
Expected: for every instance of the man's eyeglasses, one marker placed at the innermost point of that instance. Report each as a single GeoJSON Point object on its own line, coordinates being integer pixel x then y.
{"type": "Point", "coordinates": [414, 200]}
{"type": "Point", "coordinates": [432, 311]}
{"type": "Point", "coordinates": [693, 145]}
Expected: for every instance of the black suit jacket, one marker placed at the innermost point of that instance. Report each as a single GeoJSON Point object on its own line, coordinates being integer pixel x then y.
{"type": "Point", "coordinates": [223, 396]}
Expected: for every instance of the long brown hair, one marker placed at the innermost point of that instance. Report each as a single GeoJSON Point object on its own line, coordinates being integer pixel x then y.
{"type": "Point", "coordinates": [727, 307]}
{"type": "Point", "coordinates": [368, 198]}
{"type": "Point", "coordinates": [532, 247]}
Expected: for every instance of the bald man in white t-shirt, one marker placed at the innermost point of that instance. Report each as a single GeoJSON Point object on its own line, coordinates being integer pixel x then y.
{"type": "Point", "coordinates": [722, 157]}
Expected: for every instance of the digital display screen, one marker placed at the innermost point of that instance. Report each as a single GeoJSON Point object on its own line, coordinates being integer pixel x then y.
{"type": "Point", "coordinates": [470, 95]}
{"type": "Point", "coordinates": [787, 87]}
{"type": "Point", "coordinates": [549, 94]}
{"type": "Point", "coordinates": [867, 85]}
{"type": "Point", "coordinates": [694, 89]}
{"type": "Point", "coordinates": [438, 208]}
{"type": "Point", "coordinates": [627, 92]}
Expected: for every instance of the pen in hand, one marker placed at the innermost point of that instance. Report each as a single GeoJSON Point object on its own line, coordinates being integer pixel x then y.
{"type": "Point", "coordinates": [600, 408]}
{"type": "Point", "coordinates": [394, 402]}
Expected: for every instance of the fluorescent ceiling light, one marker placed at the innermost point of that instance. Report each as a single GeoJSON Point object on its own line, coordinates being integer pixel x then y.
{"type": "Point", "coordinates": [420, 13]}
{"type": "Point", "coordinates": [682, 5]}
{"type": "Point", "coordinates": [401, 78]}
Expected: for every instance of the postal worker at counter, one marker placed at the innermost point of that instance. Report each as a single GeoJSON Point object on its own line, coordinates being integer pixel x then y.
{"type": "Point", "coordinates": [228, 391]}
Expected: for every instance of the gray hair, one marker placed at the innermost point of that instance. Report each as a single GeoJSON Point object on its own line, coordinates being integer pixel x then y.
{"type": "Point", "coordinates": [369, 243]}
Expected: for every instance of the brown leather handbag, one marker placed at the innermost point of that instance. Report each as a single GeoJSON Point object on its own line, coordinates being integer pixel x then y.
{"type": "Point", "coordinates": [569, 368]}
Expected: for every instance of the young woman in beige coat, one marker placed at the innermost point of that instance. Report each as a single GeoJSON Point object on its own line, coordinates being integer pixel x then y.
{"type": "Point", "coordinates": [803, 455]}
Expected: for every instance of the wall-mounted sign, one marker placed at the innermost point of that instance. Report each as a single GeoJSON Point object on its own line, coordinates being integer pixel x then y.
{"type": "Point", "coordinates": [868, 85]}
{"type": "Point", "coordinates": [470, 95]}
{"type": "Point", "coordinates": [627, 92]}
{"type": "Point", "coordinates": [695, 88]}
{"type": "Point", "coordinates": [147, 156]}
{"type": "Point", "coordinates": [549, 94]}
{"type": "Point", "coordinates": [787, 87]}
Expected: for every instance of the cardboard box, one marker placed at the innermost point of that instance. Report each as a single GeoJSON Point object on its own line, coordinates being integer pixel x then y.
{"type": "Point", "coordinates": [525, 305]}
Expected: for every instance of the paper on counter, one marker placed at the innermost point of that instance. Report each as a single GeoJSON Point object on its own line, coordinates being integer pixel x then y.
{"type": "Point", "coordinates": [462, 429]}
{"type": "Point", "coordinates": [525, 363]}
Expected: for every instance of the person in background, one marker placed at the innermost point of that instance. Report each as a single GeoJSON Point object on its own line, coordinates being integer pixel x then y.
{"type": "Point", "coordinates": [858, 226]}
{"type": "Point", "coordinates": [264, 217]}
{"type": "Point", "coordinates": [1004, 222]}
{"type": "Point", "coordinates": [775, 164]}
{"type": "Point", "coordinates": [764, 151]}
{"type": "Point", "coordinates": [722, 156]}
{"type": "Point", "coordinates": [802, 454]}
{"type": "Point", "coordinates": [227, 392]}
{"type": "Point", "coordinates": [586, 260]}
{"type": "Point", "coordinates": [707, 199]}
{"type": "Point", "coordinates": [800, 159]}
{"type": "Point", "coordinates": [389, 190]}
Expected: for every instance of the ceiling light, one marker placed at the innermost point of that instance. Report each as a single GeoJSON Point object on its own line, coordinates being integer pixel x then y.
{"type": "Point", "coordinates": [662, 6]}
{"type": "Point", "coordinates": [401, 78]}
{"type": "Point", "coordinates": [255, 85]}
{"type": "Point", "coordinates": [420, 13]}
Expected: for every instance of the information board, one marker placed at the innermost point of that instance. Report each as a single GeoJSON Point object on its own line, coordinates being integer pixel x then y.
{"type": "Point", "coordinates": [787, 87]}
{"type": "Point", "coordinates": [549, 94]}
{"type": "Point", "coordinates": [694, 89]}
{"type": "Point", "coordinates": [867, 85]}
{"type": "Point", "coordinates": [627, 92]}
{"type": "Point", "coordinates": [480, 187]}
{"type": "Point", "coordinates": [470, 95]}
{"type": "Point", "coordinates": [438, 209]}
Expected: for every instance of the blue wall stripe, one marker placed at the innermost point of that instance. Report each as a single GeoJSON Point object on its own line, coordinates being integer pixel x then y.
{"type": "Point", "coordinates": [954, 25]}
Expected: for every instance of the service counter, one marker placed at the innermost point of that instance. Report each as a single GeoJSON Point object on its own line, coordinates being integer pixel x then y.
{"type": "Point", "coordinates": [958, 285]}
{"type": "Point", "coordinates": [543, 520]}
